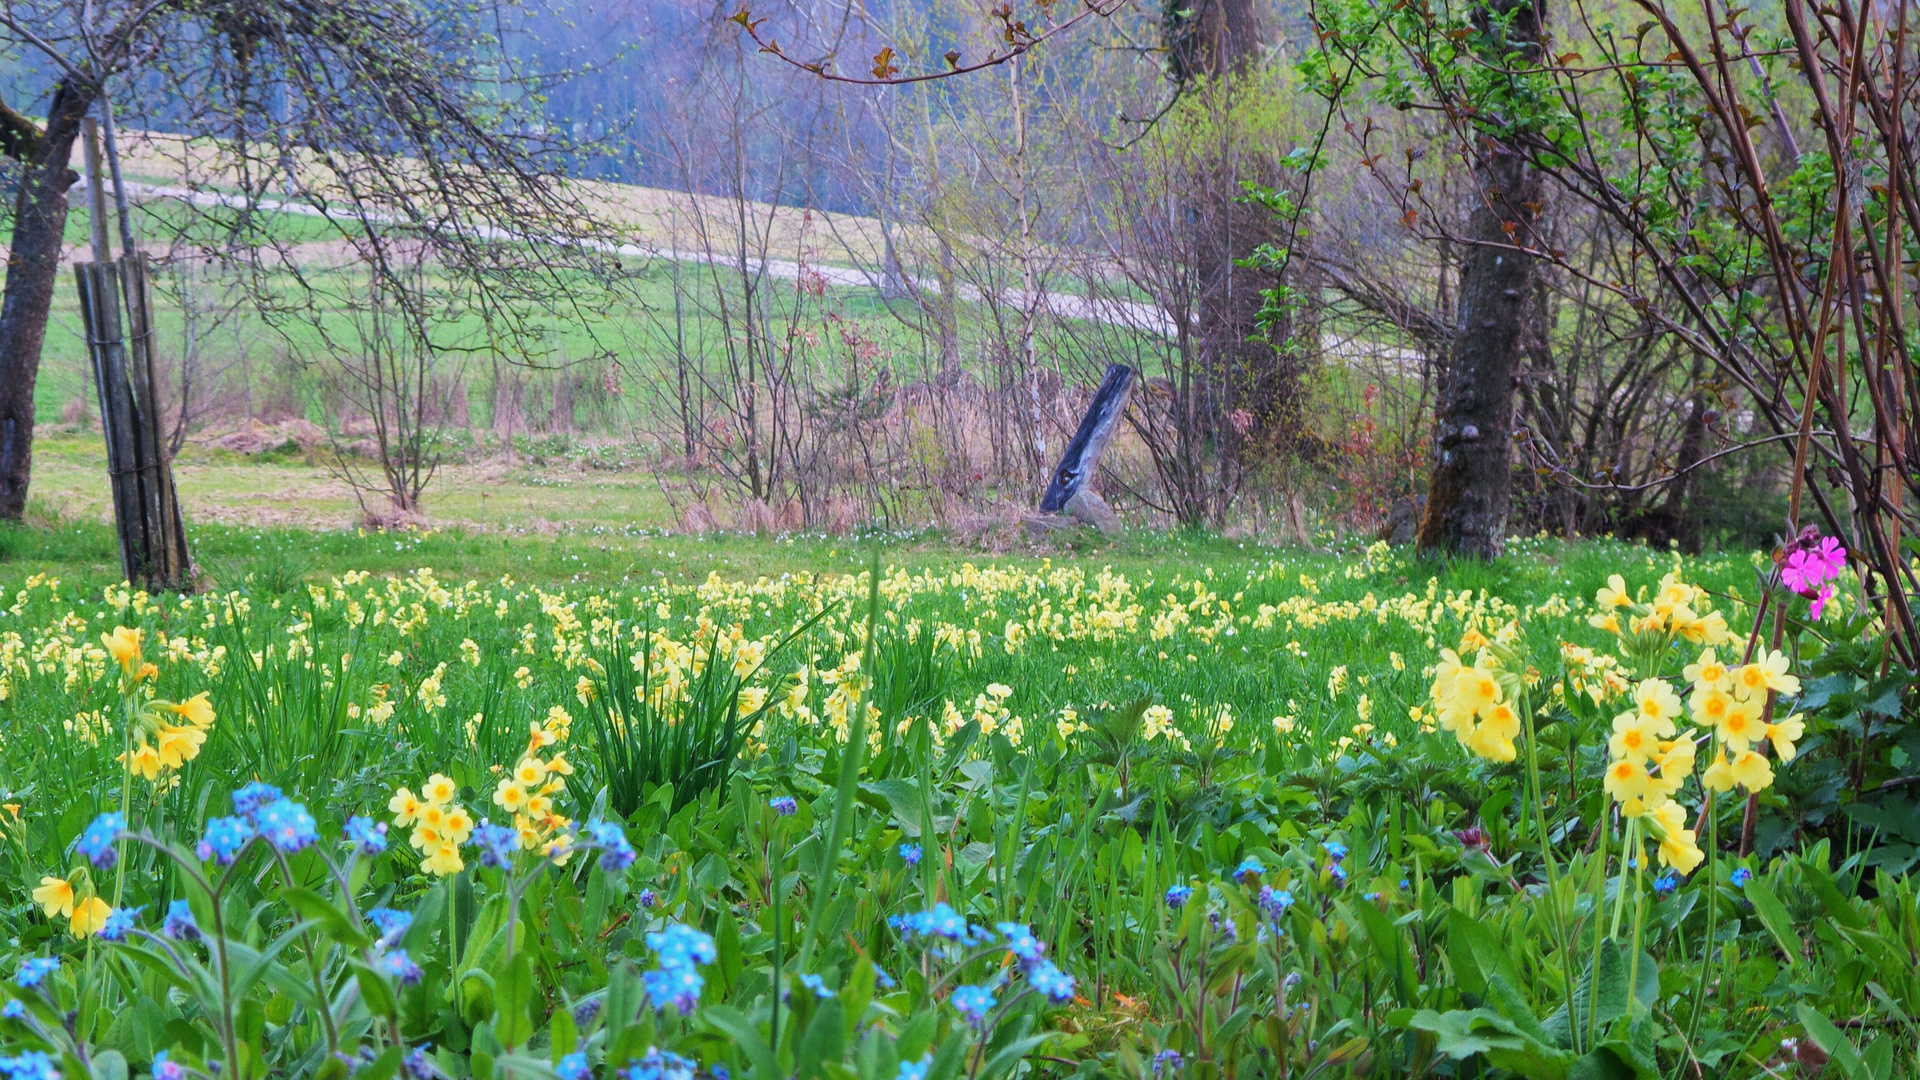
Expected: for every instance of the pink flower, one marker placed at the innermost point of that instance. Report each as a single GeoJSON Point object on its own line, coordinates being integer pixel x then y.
{"type": "Point", "coordinates": [1820, 602]}
{"type": "Point", "coordinates": [1797, 574]}
{"type": "Point", "coordinates": [1811, 566]}
{"type": "Point", "coordinates": [1831, 556]}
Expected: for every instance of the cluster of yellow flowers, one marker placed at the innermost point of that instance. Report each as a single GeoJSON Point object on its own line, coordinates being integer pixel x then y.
{"type": "Point", "coordinates": [440, 825]}
{"type": "Point", "coordinates": [528, 789]}
{"type": "Point", "coordinates": [1677, 610]}
{"type": "Point", "coordinates": [1732, 704]}
{"type": "Point", "coordinates": [850, 685]}
{"type": "Point", "coordinates": [1596, 675]}
{"type": "Point", "coordinates": [1473, 701]}
{"type": "Point", "coordinates": [84, 911]}
{"type": "Point", "coordinates": [1649, 757]}
{"type": "Point", "coordinates": [166, 734]}
{"type": "Point", "coordinates": [1650, 761]}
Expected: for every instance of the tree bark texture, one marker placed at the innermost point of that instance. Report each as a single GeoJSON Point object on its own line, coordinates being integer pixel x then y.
{"type": "Point", "coordinates": [1471, 486]}
{"type": "Point", "coordinates": [33, 268]}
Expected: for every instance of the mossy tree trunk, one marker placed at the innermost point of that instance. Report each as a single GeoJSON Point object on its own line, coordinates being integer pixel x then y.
{"type": "Point", "coordinates": [1471, 486]}
{"type": "Point", "coordinates": [33, 268]}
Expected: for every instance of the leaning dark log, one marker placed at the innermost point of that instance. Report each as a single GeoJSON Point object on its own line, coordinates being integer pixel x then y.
{"type": "Point", "coordinates": [1082, 456]}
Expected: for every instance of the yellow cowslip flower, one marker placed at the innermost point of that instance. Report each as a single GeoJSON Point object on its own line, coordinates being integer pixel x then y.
{"type": "Point", "coordinates": [142, 761]}
{"type": "Point", "coordinates": [530, 771]}
{"type": "Point", "coordinates": [584, 690]}
{"type": "Point", "coordinates": [458, 825]}
{"type": "Point", "coordinates": [1501, 721]}
{"type": "Point", "coordinates": [558, 763]}
{"type": "Point", "coordinates": [404, 806]}
{"type": "Point", "coordinates": [444, 860]}
{"type": "Point", "coordinates": [124, 646]}
{"type": "Point", "coordinates": [559, 849]}
{"type": "Point", "coordinates": [1773, 668]}
{"type": "Point", "coordinates": [1784, 734]}
{"type": "Point", "coordinates": [1741, 727]}
{"type": "Point", "coordinates": [178, 744]}
{"type": "Point", "coordinates": [1477, 689]}
{"type": "Point", "coordinates": [539, 805]}
{"type": "Point", "coordinates": [1635, 738]}
{"type": "Point", "coordinates": [1655, 701]}
{"type": "Point", "coordinates": [1676, 760]}
{"type": "Point", "coordinates": [1444, 674]}
{"type": "Point", "coordinates": [747, 657]}
{"type": "Point", "coordinates": [539, 738]}
{"type": "Point", "coordinates": [1472, 640]}
{"type": "Point", "coordinates": [1608, 621]}
{"type": "Point", "coordinates": [1627, 780]}
{"type": "Point", "coordinates": [1613, 594]}
{"type": "Point", "coordinates": [426, 838]}
{"type": "Point", "coordinates": [1653, 622]}
{"type": "Point", "coordinates": [1712, 629]}
{"type": "Point", "coordinates": [1677, 846]}
{"type": "Point", "coordinates": [1719, 775]}
{"type": "Point", "coordinates": [523, 678]}
{"type": "Point", "coordinates": [509, 796]}
{"type": "Point", "coordinates": [1491, 744]}
{"type": "Point", "coordinates": [1673, 592]}
{"type": "Point", "coordinates": [1751, 771]}
{"type": "Point", "coordinates": [1707, 673]}
{"type": "Point", "coordinates": [1711, 706]}
{"type": "Point", "coordinates": [55, 896]}
{"type": "Point", "coordinates": [196, 710]}
{"type": "Point", "coordinates": [89, 916]}
{"type": "Point", "coordinates": [439, 791]}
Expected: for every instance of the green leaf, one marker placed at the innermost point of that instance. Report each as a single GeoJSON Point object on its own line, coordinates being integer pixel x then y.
{"type": "Point", "coordinates": [513, 1002]}
{"type": "Point", "coordinates": [1005, 1058]}
{"type": "Point", "coordinates": [1602, 1064]}
{"type": "Point", "coordinates": [1823, 886]}
{"type": "Point", "coordinates": [1390, 945]}
{"type": "Point", "coordinates": [318, 908]}
{"type": "Point", "coordinates": [736, 1027]}
{"type": "Point", "coordinates": [107, 1065]}
{"type": "Point", "coordinates": [1461, 1034]}
{"type": "Point", "coordinates": [382, 1067]}
{"type": "Point", "coordinates": [1504, 998]}
{"type": "Point", "coordinates": [562, 1035]}
{"type": "Point", "coordinates": [825, 1039]}
{"type": "Point", "coordinates": [1475, 950]}
{"type": "Point", "coordinates": [917, 1036]}
{"type": "Point", "coordinates": [1773, 915]}
{"type": "Point", "coordinates": [374, 989]}
{"type": "Point", "coordinates": [903, 798]}
{"type": "Point", "coordinates": [1839, 1048]}
{"type": "Point", "coordinates": [1878, 1057]}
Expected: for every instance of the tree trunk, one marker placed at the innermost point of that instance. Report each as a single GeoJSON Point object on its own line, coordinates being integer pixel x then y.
{"type": "Point", "coordinates": [33, 267]}
{"type": "Point", "coordinates": [1472, 482]}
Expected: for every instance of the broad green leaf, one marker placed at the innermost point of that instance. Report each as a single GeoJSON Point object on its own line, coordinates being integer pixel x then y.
{"type": "Point", "coordinates": [745, 1037]}
{"type": "Point", "coordinates": [513, 1001]}
{"type": "Point", "coordinates": [1838, 1047]}
{"type": "Point", "coordinates": [1390, 945]}
{"type": "Point", "coordinates": [1773, 915]}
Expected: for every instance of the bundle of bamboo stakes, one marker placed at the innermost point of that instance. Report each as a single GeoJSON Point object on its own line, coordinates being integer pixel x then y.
{"type": "Point", "coordinates": [146, 509]}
